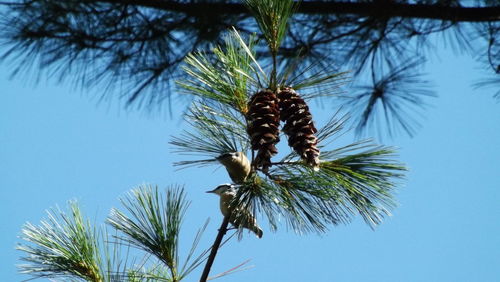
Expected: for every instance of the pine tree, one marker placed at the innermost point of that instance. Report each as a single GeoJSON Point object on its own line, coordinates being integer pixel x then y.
{"type": "Point", "coordinates": [312, 185]}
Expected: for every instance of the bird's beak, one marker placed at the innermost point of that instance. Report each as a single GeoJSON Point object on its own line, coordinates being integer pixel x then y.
{"type": "Point", "coordinates": [211, 191]}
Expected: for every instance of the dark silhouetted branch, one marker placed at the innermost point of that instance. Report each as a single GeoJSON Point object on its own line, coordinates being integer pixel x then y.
{"type": "Point", "coordinates": [215, 248]}
{"type": "Point", "coordinates": [377, 9]}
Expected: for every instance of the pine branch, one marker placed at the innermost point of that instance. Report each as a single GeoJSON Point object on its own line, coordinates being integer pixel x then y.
{"type": "Point", "coordinates": [154, 227]}
{"type": "Point", "coordinates": [385, 9]}
{"type": "Point", "coordinates": [133, 48]}
{"type": "Point", "coordinates": [272, 18]}
{"type": "Point", "coordinates": [355, 179]}
{"type": "Point", "coordinates": [367, 180]}
{"type": "Point", "coordinates": [63, 246]}
{"type": "Point", "coordinates": [359, 182]}
{"type": "Point", "coordinates": [226, 74]}
{"type": "Point", "coordinates": [215, 247]}
{"type": "Point", "coordinates": [395, 99]}
{"type": "Point", "coordinates": [308, 201]}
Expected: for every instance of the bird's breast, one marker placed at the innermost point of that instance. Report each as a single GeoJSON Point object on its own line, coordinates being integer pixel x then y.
{"type": "Point", "coordinates": [225, 201]}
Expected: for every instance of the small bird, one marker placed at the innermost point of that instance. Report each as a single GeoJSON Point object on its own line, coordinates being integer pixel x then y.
{"type": "Point", "coordinates": [237, 165]}
{"type": "Point", "coordinates": [227, 192]}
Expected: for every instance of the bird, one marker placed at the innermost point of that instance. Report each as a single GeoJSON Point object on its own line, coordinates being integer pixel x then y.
{"type": "Point", "coordinates": [237, 165]}
{"type": "Point", "coordinates": [245, 219]}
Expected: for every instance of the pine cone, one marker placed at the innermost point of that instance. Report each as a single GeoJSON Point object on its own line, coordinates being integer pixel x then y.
{"type": "Point", "coordinates": [263, 126]}
{"type": "Point", "coordinates": [299, 126]}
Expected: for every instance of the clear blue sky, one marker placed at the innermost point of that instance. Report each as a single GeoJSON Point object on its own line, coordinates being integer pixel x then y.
{"type": "Point", "coordinates": [57, 144]}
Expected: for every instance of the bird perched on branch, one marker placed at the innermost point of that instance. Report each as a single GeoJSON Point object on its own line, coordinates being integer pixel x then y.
{"type": "Point", "coordinates": [237, 165]}
{"type": "Point", "coordinates": [237, 217]}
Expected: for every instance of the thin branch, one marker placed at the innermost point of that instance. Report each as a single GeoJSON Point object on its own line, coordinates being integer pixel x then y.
{"type": "Point", "coordinates": [215, 248]}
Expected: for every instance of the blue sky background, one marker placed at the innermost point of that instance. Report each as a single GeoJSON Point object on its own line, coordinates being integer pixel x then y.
{"type": "Point", "coordinates": [57, 144]}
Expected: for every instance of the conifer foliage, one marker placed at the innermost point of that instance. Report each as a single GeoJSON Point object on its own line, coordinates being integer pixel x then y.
{"type": "Point", "coordinates": [237, 111]}
{"type": "Point", "coordinates": [300, 188]}
{"type": "Point", "coordinates": [134, 49]}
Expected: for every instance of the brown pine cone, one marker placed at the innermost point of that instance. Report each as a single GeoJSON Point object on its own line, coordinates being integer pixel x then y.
{"type": "Point", "coordinates": [263, 119]}
{"type": "Point", "coordinates": [299, 126]}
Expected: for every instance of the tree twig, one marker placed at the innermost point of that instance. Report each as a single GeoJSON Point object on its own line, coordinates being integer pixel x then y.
{"type": "Point", "coordinates": [215, 248]}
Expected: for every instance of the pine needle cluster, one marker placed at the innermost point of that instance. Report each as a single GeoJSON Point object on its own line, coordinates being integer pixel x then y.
{"type": "Point", "coordinates": [68, 246]}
